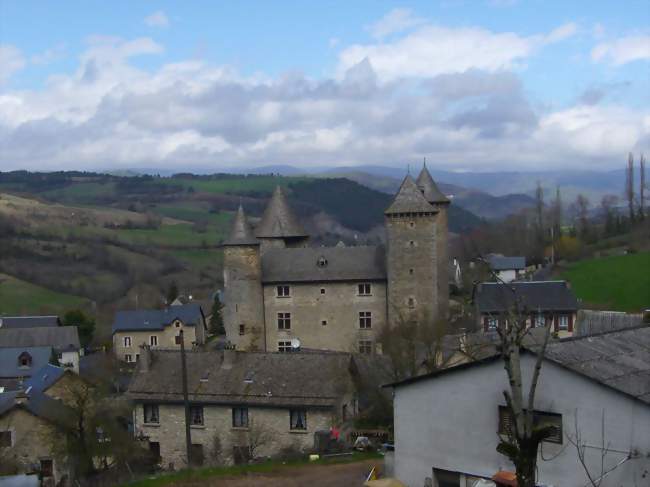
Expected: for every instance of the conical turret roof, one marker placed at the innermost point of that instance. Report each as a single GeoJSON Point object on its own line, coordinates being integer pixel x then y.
{"type": "Point", "coordinates": [241, 232]}
{"type": "Point", "coordinates": [409, 199]}
{"type": "Point", "coordinates": [429, 188]}
{"type": "Point", "coordinates": [278, 220]}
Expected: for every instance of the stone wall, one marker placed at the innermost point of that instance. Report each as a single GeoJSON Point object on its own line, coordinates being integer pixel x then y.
{"type": "Point", "coordinates": [413, 281]}
{"type": "Point", "coordinates": [272, 423]}
{"type": "Point", "coordinates": [243, 302]}
{"type": "Point", "coordinates": [336, 303]}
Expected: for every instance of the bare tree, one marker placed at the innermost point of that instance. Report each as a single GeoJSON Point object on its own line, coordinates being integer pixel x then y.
{"type": "Point", "coordinates": [642, 185]}
{"type": "Point", "coordinates": [629, 185]}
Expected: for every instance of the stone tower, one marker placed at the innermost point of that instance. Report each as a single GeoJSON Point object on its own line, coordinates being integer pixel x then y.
{"type": "Point", "coordinates": [416, 262]}
{"type": "Point", "coordinates": [440, 203]}
{"type": "Point", "coordinates": [242, 277]}
{"type": "Point", "coordinates": [279, 228]}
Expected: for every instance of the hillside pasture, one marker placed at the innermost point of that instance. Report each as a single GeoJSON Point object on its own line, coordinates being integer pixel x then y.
{"type": "Point", "coordinates": [619, 282]}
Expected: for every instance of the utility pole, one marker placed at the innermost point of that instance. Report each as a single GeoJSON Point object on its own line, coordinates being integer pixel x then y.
{"type": "Point", "coordinates": [186, 402]}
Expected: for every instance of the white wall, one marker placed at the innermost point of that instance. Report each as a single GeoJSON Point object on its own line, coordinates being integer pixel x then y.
{"type": "Point", "coordinates": [451, 423]}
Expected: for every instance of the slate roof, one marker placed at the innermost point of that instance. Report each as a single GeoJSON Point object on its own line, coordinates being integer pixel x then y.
{"type": "Point", "coordinates": [241, 232]}
{"type": "Point", "coordinates": [59, 337]}
{"type": "Point", "coordinates": [429, 188]}
{"type": "Point", "coordinates": [9, 361]}
{"type": "Point", "coordinates": [255, 378]}
{"type": "Point", "coordinates": [28, 321]}
{"type": "Point", "coordinates": [38, 404]}
{"type": "Point", "coordinates": [278, 220]}
{"type": "Point", "coordinates": [493, 297]}
{"type": "Point", "coordinates": [44, 378]}
{"type": "Point", "coordinates": [157, 319]}
{"type": "Point", "coordinates": [591, 322]}
{"type": "Point", "coordinates": [503, 263]}
{"type": "Point", "coordinates": [619, 360]}
{"type": "Point", "coordinates": [409, 199]}
{"type": "Point", "coordinates": [364, 263]}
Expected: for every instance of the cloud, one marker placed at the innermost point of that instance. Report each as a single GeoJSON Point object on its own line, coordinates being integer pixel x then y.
{"type": "Point", "coordinates": [157, 19]}
{"type": "Point", "coordinates": [397, 20]}
{"type": "Point", "coordinates": [622, 51]}
{"type": "Point", "coordinates": [432, 50]}
{"type": "Point", "coordinates": [11, 60]}
{"type": "Point", "coordinates": [108, 113]}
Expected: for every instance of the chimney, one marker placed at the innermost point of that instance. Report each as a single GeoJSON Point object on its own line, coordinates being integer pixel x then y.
{"type": "Point", "coordinates": [229, 355]}
{"type": "Point", "coordinates": [145, 358]}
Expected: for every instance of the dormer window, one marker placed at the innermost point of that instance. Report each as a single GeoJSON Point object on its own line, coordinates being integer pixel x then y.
{"type": "Point", "coordinates": [25, 360]}
{"type": "Point", "coordinates": [322, 262]}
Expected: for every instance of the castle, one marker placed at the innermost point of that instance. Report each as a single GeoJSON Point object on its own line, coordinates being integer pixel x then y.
{"type": "Point", "coordinates": [280, 294]}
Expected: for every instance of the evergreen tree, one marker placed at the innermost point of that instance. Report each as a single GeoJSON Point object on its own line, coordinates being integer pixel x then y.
{"type": "Point", "coordinates": [216, 320]}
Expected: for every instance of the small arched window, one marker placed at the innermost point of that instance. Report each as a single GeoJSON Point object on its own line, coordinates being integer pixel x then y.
{"type": "Point", "coordinates": [24, 360]}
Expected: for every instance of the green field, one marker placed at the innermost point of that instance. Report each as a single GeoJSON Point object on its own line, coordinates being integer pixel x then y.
{"type": "Point", "coordinates": [20, 297]}
{"type": "Point", "coordinates": [618, 283]}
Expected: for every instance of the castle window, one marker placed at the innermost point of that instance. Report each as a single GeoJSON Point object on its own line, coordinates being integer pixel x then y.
{"type": "Point", "coordinates": [284, 321]}
{"type": "Point", "coordinates": [25, 360]}
{"type": "Point", "coordinates": [364, 289]}
{"type": "Point", "coordinates": [365, 319]}
{"type": "Point", "coordinates": [365, 346]}
{"type": "Point", "coordinates": [127, 342]}
{"type": "Point", "coordinates": [284, 346]}
{"type": "Point", "coordinates": [242, 329]}
{"type": "Point", "coordinates": [322, 262]}
{"type": "Point", "coordinates": [283, 291]}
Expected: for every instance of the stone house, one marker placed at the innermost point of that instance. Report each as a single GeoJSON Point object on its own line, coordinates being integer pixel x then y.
{"type": "Point", "coordinates": [157, 329]}
{"type": "Point", "coordinates": [279, 291]}
{"type": "Point", "coordinates": [242, 404]}
{"type": "Point", "coordinates": [596, 386]}
{"type": "Point", "coordinates": [548, 303]}
{"type": "Point", "coordinates": [63, 340]}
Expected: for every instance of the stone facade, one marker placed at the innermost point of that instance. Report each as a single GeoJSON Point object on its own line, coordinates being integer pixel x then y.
{"type": "Point", "coordinates": [326, 316]}
{"type": "Point", "coordinates": [270, 424]}
{"type": "Point", "coordinates": [31, 440]}
{"type": "Point", "coordinates": [165, 338]}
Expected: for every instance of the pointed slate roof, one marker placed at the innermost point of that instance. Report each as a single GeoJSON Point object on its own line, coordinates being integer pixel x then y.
{"type": "Point", "coordinates": [409, 199]}
{"type": "Point", "coordinates": [241, 232]}
{"type": "Point", "coordinates": [429, 187]}
{"type": "Point", "coordinates": [278, 220]}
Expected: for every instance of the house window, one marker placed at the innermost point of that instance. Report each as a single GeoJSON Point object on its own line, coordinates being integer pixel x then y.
{"type": "Point", "coordinates": [284, 321]}
{"type": "Point", "coordinates": [365, 346]}
{"type": "Point", "coordinates": [196, 415]}
{"type": "Point", "coordinates": [242, 329]}
{"type": "Point", "coordinates": [298, 419]}
{"type": "Point", "coordinates": [151, 414]}
{"type": "Point", "coordinates": [240, 417]}
{"type": "Point", "coordinates": [364, 289]}
{"type": "Point", "coordinates": [47, 469]}
{"type": "Point", "coordinates": [539, 320]}
{"type": "Point", "coordinates": [540, 418]}
{"type": "Point", "coordinates": [153, 340]}
{"type": "Point", "coordinates": [127, 342]}
{"type": "Point", "coordinates": [25, 360]}
{"type": "Point", "coordinates": [563, 322]}
{"type": "Point", "coordinates": [5, 439]}
{"type": "Point", "coordinates": [177, 339]}
{"type": "Point", "coordinates": [365, 319]}
{"type": "Point", "coordinates": [284, 346]}
{"type": "Point", "coordinates": [128, 358]}
{"type": "Point", "coordinates": [283, 291]}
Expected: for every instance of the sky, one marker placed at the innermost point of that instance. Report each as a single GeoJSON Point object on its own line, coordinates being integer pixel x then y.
{"type": "Point", "coordinates": [480, 85]}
